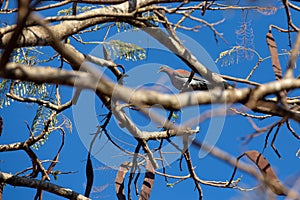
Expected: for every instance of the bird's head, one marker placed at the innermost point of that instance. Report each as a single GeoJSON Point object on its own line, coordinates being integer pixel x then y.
{"type": "Point", "coordinates": [163, 68]}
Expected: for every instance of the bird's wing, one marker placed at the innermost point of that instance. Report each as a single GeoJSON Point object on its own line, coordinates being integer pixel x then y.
{"type": "Point", "coordinates": [186, 74]}
{"type": "Point", "coordinates": [182, 73]}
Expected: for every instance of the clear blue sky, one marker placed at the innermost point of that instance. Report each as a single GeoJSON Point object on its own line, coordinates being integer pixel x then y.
{"type": "Point", "coordinates": [74, 154]}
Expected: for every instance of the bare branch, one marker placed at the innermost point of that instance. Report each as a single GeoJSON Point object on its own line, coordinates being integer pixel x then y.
{"type": "Point", "coordinates": [24, 7]}
{"type": "Point", "coordinates": [252, 98]}
{"type": "Point", "coordinates": [222, 155]}
{"type": "Point", "coordinates": [33, 183]}
{"type": "Point", "coordinates": [47, 104]}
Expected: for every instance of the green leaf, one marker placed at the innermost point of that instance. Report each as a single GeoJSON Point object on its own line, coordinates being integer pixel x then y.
{"type": "Point", "coordinates": [123, 27]}
{"type": "Point", "coordinates": [4, 88]}
{"type": "Point", "coordinates": [127, 51]}
{"type": "Point", "coordinates": [68, 11]}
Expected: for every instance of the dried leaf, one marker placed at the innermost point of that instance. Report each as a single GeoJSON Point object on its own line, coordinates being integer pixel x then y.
{"type": "Point", "coordinates": [274, 56]}
{"type": "Point", "coordinates": [119, 181]}
{"type": "Point", "coordinates": [1, 125]}
{"type": "Point", "coordinates": [275, 62]}
{"type": "Point", "coordinates": [265, 168]}
{"type": "Point", "coordinates": [89, 176]}
{"type": "Point", "coordinates": [148, 182]}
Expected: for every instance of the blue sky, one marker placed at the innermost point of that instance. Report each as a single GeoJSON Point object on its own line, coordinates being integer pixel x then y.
{"type": "Point", "coordinates": [74, 154]}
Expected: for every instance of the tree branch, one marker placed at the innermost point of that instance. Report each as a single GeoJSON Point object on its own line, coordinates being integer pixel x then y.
{"type": "Point", "coordinates": [43, 185]}
{"type": "Point", "coordinates": [252, 98]}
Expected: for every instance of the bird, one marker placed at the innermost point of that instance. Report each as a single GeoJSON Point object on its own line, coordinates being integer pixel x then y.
{"type": "Point", "coordinates": [180, 76]}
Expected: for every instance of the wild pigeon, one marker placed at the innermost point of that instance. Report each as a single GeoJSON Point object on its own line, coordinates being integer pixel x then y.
{"type": "Point", "coordinates": [180, 76]}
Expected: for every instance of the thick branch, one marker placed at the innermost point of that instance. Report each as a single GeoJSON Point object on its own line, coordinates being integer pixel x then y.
{"type": "Point", "coordinates": [36, 35]}
{"type": "Point", "coordinates": [43, 185]}
{"type": "Point", "coordinates": [252, 98]}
